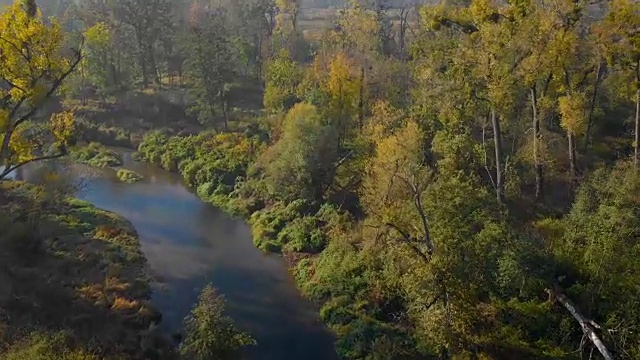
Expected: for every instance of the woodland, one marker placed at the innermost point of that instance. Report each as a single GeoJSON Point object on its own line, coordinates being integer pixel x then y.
{"type": "Point", "coordinates": [451, 180]}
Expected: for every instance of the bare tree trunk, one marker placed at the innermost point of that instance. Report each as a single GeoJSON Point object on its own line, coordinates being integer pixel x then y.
{"type": "Point", "coordinates": [636, 154]}
{"type": "Point", "coordinates": [361, 101]}
{"type": "Point", "coordinates": [572, 155]}
{"type": "Point", "coordinates": [592, 107]}
{"type": "Point", "coordinates": [226, 115]}
{"type": "Point", "coordinates": [497, 140]}
{"type": "Point", "coordinates": [536, 145]}
{"type": "Point", "coordinates": [588, 326]}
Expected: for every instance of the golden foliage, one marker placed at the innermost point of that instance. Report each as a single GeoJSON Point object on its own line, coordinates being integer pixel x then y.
{"type": "Point", "coordinates": [20, 35]}
{"type": "Point", "coordinates": [394, 174]}
{"type": "Point", "coordinates": [63, 127]}
{"type": "Point", "coordinates": [573, 111]}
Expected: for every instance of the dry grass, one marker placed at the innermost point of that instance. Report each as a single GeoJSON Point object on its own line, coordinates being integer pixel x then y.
{"type": "Point", "coordinates": [126, 305]}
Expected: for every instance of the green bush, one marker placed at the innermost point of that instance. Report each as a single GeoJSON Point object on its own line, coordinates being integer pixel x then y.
{"type": "Point", "coordinates": [39, 346]}
{"type": "Point", "coordinates": [129, 176]}
{"type": "Point", "coordinates": [97, 155]}
{"type": "Point", "coordinates": [302, 235]}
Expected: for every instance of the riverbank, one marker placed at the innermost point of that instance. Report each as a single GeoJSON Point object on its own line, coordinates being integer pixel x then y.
{"type": "Point", "coordinates": [74, 275]}
{"type": "Point", "coordinates": [312, 237]}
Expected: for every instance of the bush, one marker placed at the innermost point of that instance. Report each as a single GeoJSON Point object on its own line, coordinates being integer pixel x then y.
{"type": "Point", "coordinates": [129, 176]}
{"type": "Point", "coordinates": [97, 155]}
{"type": "Point", "coordinates": [302, 235]}
{"type": "Point", "coordinates": [38, 346]}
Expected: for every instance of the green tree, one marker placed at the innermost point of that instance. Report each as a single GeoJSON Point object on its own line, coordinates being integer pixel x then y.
{"type": "Point", "coordinates": [282, 78]}
{"type": "Point", "coordinates": [620, 37]}
{"type": "Point", "coordinates": [302, 163]}
{"type": "Point", "coordinates": [208, 67]}
{"type": "Point", "coordinates": [209, 334]}
{"type": "Point", "coordinates": [149, 20]}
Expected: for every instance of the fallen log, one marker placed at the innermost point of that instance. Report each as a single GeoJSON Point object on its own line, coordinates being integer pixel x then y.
{"type": "Point", "coordinates": [588, 326]}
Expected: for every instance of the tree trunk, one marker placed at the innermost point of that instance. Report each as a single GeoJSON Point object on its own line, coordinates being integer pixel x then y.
{"type": "Point", "coordinates": [226, 115]}
{"type": "Point", "coordinates": [145, 75]}
{"type": "Point", "coordinates": [636, 158]}
{"type": "Point", "coordinates": [361, 101]}
{"type": "Point", "coordinates": [497, 140]}
{"type": "Point", "coordinates": [572, 155]}
{"type": "Point", "coordinates": [588, 326]}
{"type": "Point", "coordinates": [636, 152]}
{"type": "Point", "coordinates": [536, 145]}
{"type": "Point", "coordinates": [592, 107]}
{"type": "Point", "coordinates": [154, 66]}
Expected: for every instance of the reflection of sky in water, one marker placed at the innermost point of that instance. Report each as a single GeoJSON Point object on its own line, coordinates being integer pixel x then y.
{"type": "Point", "coordinates": [189, 243]}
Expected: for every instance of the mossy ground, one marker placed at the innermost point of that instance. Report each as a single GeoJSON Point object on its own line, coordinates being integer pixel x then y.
{"type": "Point", "coordinates": [68, 266]}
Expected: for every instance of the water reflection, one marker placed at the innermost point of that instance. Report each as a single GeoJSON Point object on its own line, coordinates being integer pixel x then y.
{"type": "Point", "coordinates": [189, 243]}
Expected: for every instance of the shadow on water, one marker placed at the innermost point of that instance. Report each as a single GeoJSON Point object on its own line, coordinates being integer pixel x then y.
{"type": "Point", "coordinates": [189, 243]}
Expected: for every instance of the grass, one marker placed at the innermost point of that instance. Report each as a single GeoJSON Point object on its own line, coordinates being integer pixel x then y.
{"type": "Point", "coordinates": [66, 265]}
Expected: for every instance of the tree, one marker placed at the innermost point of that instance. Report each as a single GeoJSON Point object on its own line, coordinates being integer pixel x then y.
{"type": "Point", "coordinates": [34, 66]}
{"type": "Point", "coordinates": [95, 67]}
{"type": "Point", "coordinates": [397, 177]}
{"type": "Point", "coordinates": [573, 112]}
{"type": "Point", "coordinates": [620, 37]}
{"type": "Point", "coordinates": [302, 163]}
{"type": "Point", "coordinates": [282, 78]}
{"type": "Point", "coordinates": [344, 91]}
{"type": "Point", "coordinates": [209, 334]}
{"type": "Point", "coordinates": [208, 67]}
{"type": "Point", "coordinates": [149, 19]}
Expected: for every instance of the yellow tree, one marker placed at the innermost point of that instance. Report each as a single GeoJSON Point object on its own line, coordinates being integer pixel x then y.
{"type": "Point", "coordinates": [573, 113]}
{"type": "Point", "coordinates": [33, 66]}
{"type": "Point", "coordinates": [577, 71]}
{"type": "Point", "coordinates": [344, 91]}
{"type": "Point", "coordinates": [620, 38]}
{"type": "Point", "coordinates": [487, 53]}
{"type": "Point", "coordinates": [392, 192]}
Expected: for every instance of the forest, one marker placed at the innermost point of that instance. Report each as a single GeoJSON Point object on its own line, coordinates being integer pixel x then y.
{"type": "Point", "coordinates": [450, 180]}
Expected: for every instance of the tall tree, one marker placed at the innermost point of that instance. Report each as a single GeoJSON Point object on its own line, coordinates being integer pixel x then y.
{"type": "Point", "coordinates": [149, 19]}
{"type": "Point", "coordinates": [620, 37]}
{"type": "Point", "coordinates": [209, 67]}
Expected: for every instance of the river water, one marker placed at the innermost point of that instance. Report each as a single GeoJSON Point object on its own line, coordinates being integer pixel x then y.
{"type": "Point", "coordinates": [189, 244]}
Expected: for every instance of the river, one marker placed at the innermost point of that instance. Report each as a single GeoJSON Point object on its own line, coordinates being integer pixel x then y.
{"type": "Point", "coordinates": [189, 244]}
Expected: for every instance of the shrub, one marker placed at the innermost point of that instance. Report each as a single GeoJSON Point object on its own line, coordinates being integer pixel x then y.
{"type": "Point", "coordinates": [129, 176]}
{"type": "Point", "coordinates": [38, 346]}
{"type": "Point", "coordinates": [97, 155]}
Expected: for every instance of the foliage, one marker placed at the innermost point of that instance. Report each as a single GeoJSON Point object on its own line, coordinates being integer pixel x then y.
{"type": "Point", "coordinates": [282, 78]}
{"type": "Point", "coordinates": [45, 347]}
{"type": "Point", "coordinates": [209, 333]}
{"type": "Point", "coordinates": [300, 163]}
{"type": "Point", "coordinates": [437, 175]}
{"type": "Point", "coordinates": [95, 154]}
{"type": "Point", "coordinates": [128, 176]}
{"type": "Point", "coordinates": [34, 67]}
{"type": "Point", "coordinates": [66, 261]}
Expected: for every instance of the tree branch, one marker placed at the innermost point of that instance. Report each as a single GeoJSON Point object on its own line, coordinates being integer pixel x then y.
{"type": "Point", "coordinates": [410, 242]}
{"type": "Point", "coordinates": [10, 169]}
